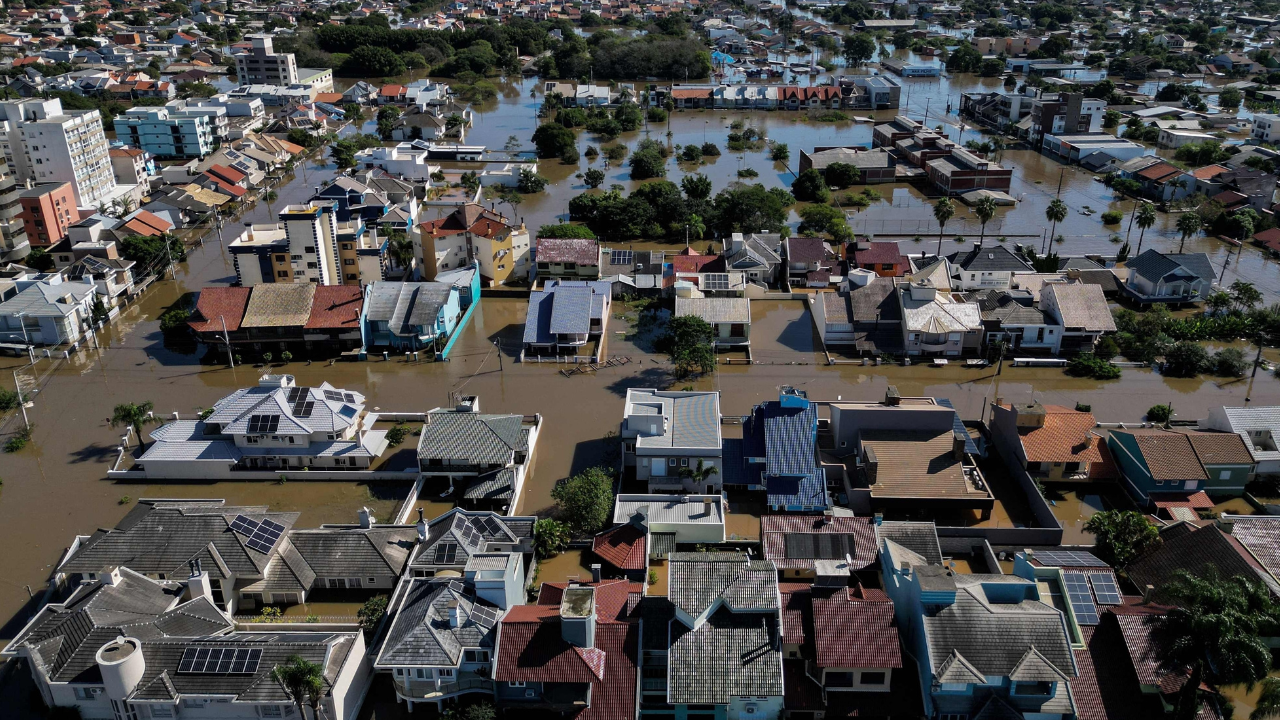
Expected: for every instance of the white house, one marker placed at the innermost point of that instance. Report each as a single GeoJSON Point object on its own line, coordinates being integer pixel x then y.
{"type": "Point", "coordinates": [1259, 426]}
{"type": "Point", "coordinates": [666, 433]}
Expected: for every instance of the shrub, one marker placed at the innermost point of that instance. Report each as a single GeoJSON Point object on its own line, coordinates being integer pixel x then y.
{"type": "Point", "coordinates": [1160, 413]}
{"type": "Point", "coordinates": [1081, 407]}
{"type": "Point", "coordinates": [370, 614]}
{"type": "Point", "coordinates": [397, 434]}
{"type": "Point", "coordinates": [585, 500]}
{"type": "Point", "coordinates": [1112, 217]}
{"type": "Point", "coordinates": [8, 400]}
{"type": "Point", "coordinates": [550, 538]}
{"type": "Point", "coordinates": [615, 153]}
{"type": "Point", "coordinates": [1186, 359]}
{"type": "Point", "coordinates": [710, 149]}
{"type": "Point", "coordinates": [1090, 365]}
{"type": "Point", "coordinates": [691, 153]}
{"type": "Point", "coordinates": [1229, 362]}
{"type": "Point", "coordinates": [1106, 348]}
{"type": "Point", "coordinates": [748, 173]}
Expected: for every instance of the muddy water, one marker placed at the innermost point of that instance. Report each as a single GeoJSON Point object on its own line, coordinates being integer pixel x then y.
{"type": "Point", "coordinates": [570, 565]}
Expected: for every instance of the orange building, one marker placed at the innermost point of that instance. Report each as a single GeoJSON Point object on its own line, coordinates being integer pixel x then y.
{"type": "Point", "coordinates": [48, 209]}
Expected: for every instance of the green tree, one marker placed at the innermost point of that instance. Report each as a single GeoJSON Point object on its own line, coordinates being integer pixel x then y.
{"type": "Point", "coordinates": [1189, 224]}
{"type": "Point", "coordinates": [700, 474]}
{"type": "Point", "coordinates": [400, 249]}
{"type": "Point", "coordinates": [688, 344]}
{"type": "Point", "coordinates": [585, 501]}
{"type": "Point", "coordinates": [1185, 359]}
{"type": "Point", "coordinates": [841, 175]}
{"type": "Point", "coordinates": [479, 710]}
{"type": "Point", "coordinates": [696, 187]}
{"type": "Point", "coordinates": [1056, 212]}
{"type": "Point", "coordinates": [551, 140]}
{"type": "Point", "coordinates": [1145, 218]}
{"type": "Point", "coordinates": [1244, 295]}
{"type": "Point", "coordinates": [1216, 628]}
{"type": "Point", "coordinates": [1268, 700]}
{"type": "Point", "coordinates": [297, 675]}
{"type": "Point", "coordinates": [566, 230]}
{"type": "Point", "coordinates": [984, 210]}
{"type": "Point", "coordinates": [859, 48]}
{"type": "Point", "coordinates": [819, 219]}
{"type": "Point", "coordinates": [372, 61]}
{"type": "Point", "coordinates": [696, 227]}
{"type": "Point", "coordinates": [39, 260]}
{"type": "Point", "coordinates": [370, 614]}
{"type": "Point", "coordinates": [593, 177]}
{"type": "Point", "coordinates": [780, 152]}
{"type": "Point", "coordinates": [810, 186]}
{"type": "Point", "coordinates": [134, 415]}
{"type": "Point", "coordinates": [1120, 536]}
{"type": "Point", "coordinates": [1218, 302]}
{"type": "Point", "coordinates": [943, 210]}
{"type": "Point", "coordinates": [387, 117]}
{"type": "Point", "coordinates": [1229, 99]}
{"type": "Point", "coordinates": [646, 164]}
{"type": "Point", "coordinates": [550, 538]}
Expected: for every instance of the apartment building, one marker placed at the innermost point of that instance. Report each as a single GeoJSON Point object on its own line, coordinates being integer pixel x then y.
{"type": "Point", "coordinates": [472, 234]}
{"type": "Point", "coordinates": [44, 143]}
{"type": "Point", "coordinates": [48, 209]}
{"type": "Point", "coordinates": [262, 65]}
{"type": "Point", "coordinates": [1065, 114]}
{"type": "Point", "coordinates": [166, 132]}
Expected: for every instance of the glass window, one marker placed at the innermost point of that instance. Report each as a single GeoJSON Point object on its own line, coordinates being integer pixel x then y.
{"type": "Point", "coordinates": [872, 678]}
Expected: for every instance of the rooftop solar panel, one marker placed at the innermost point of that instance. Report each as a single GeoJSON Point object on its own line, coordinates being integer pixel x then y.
{"type": "Point", "coordinates": [333, 395]}
{"type": "Point", "coordinates": [1081, 601]}
{"type": "Point", "coordinates": [623, 257]}
{"type": "Point", "coordinates": [715, 281]}
{"type": "Point", "coordinates": [484, 615]}
{"type": "Point", "coordinates": [446, 553]}
{"type": "Point", "coordinates": [244, 526]}
{"type": "Point", "coordinates": [1067, 558]}
{"type": "Point", "coordinates": [1105, 589]}
{"type": "Point", "coordinates": [264, 423]}
{"type": "Point", "coordinates": [220, 661]}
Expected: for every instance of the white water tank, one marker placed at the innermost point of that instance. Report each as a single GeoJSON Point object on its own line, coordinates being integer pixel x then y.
{"type": "Point", "coordinates": [121, 664]}
{"type": "Point", "coordinates": [860, 277]}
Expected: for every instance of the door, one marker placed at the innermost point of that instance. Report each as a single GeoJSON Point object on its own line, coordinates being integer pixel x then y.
{"type": "Point", "coordinates": [658, 467]}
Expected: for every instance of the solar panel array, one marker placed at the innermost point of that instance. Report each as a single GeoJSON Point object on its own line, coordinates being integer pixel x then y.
{"type": "Point", "coordinates": [623, 257]}
{"type": "Point", "coordinates": [466, 532]}
{"type": "Point", "coordinates": [303, 408]}
{"type": "Point", "coordinates": [715, 281]}
{"type": "Point", "coordinates": [264, 423]}
{"type": "Point", "coordinates": [1081, 601]}
{"type": "Point", "coordinates": [220, 661]}
{"type": "Point", "coordinates": [296, 394]}
{"type": "Point", "coordinates": [1067, 558]}
{"type": "Point", "coordinates": [489, 525]}
{"type": "Point", "coordinates": [333, 395]}
{"type": "Point", "coordinates": [260, 536]}
{"type": "Point", "coordinates": [484, 615]}
{"type": "Point", "coordinates": [446, 553]}
{"type": "Point", "coordinates": [1105, 589]}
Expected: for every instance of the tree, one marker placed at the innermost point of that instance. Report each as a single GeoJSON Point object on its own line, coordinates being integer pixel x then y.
{"type": "Point", "coordinates": [1145, 217]}
{"type": "Point", "coordinates": [688, 344]}
{"type": "Point", "coordinates": [696, 187]}
{"type": "Point", "coordinates": [1120, 536]}
{"type": "Point", "coordinates": [39, 260]}
{"type": "Point", "coordinates": [780, 152]}
{"type": "Point", "coordinates": [647, 163]}
{"type": "Point", "coordinates": [1185, 359]}
{"type": "Point", "coordinates": [819, 219]}
{"type": "Point", "coordinates": [696, 227]}
{"type": "Point", "coordinates": [550, 538]}
{"type": "Point", "coordinates": [1160, 413]}
{"type": "Point", "coordinates": [530, 182]}
{"type": "Point", "coordinates": [297, 675]}
{"type": "Point", "coordinates": [134, 415]}
{"type": "Point", "coordinates": [1056, 212]}
{"type": "Point", "coordinates": [859, 48]}
{"type": "Point", "coordinates": [387, 117]}
{"type": "Point", "coordinates": [1216, 629]}
{"type": "Point", "coordinates": [943, 210]}
{"type": "Point", "coordinates": [370, 614]}
{"type": "Point", "coordinates": [964, 59]}
{"type": "Point", "coordinates": [585, 501]}
{"type": "Point", "coordinates": [984, 210]}
{"type": "Point", "coordinates": [1229, 99]}
{"type": "Point", "coordinates": [566, 230]}
{"type": "Point", "coordinates": [810, 186]}
{"type": "Point", "coordinates": [1268, 700]}
{"type": "Point", "coordinates": [700, 474]}
{"type": "Point", "coordinates": [480, 710]}
{"type": "Point", "coordinates": [353, 112]}
{"type": "Point", "coordinates": [372, 61]}
{"type": "Point", "coordinates": [841, 175]}
{"type": "Point", "coordinates": [551, 140]}
{"type": "Point", "coordinates": [1244, 295]}
{"type": "Point", "coordinates": [400, 249]}
{"type": "Point", "coordinates": [1189, 224]}
{"type": "Point", "coordinates": [593, 178]}
{"type": "Point", "coordinates": [1218, 302]}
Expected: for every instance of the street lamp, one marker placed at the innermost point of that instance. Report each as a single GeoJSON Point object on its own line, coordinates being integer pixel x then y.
{"type": "Point", "coordinates": [498, 344]}
{"type": "Point", "coordinates": [227, 340]}
{"type": "Point", "coordinates": [26, 339]}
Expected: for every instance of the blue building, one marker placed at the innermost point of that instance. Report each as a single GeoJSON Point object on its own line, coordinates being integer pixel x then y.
{"type": "Point", "coordinates": [780, 454]}
{"type": "Point", "coordinates": [414, 316]}
{"type": "Point", "coordinates": [1171, 470]}
{"type": "Point", "coordinates": [986, 645]}
{"type": "Point", "coordinates": [165, 132]}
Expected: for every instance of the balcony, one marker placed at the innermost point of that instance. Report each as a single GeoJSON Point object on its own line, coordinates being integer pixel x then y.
{"type": "Point", "coordinates": [429, 690]}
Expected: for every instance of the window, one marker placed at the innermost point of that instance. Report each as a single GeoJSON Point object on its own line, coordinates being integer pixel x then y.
{"type": "Point", "coordinates": [684, 462]}
{"type": "Point", "coordinates": [271, 711]}
{"type": "Point", "coordinates": [420, 673]}
{"type": "Point", "coordinates": [671, 462]}
{"type": "Point", "coordinates": [445, 672]}
{"type": "Point", "coordinates": [399, 672]}
{"type": "Point", "coordinates": [839, 679]}
{"type": "Point", "coordinates": [476, 656]}
{"type": "Point", "coordinates": [348, 261]}
{"type": "Point", "coordinates": [516, 683]}
{"type": "Point", "coordinates": [346, 246]}
{"type": "Point", "coordinates": [1033, 688]}
{"type": "Point", "coordinates": [1224, 475]}
{"type": "Point", "coordinates": [871, 678]}
{"type": "Point", "coordinates": [88, 693]}
{"type": "Point", "coordinates": [161, 711]}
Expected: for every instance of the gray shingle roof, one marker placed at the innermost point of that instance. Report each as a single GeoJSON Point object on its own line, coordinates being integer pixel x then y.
{"type": "Point", "coordinates": [989, 258]}
{"type": "Point", "coordinates": [472, 438]}
{"type": "Point", "coordinates": [420, 633]}
{"type": "Point", "coordinates": [497, 534]}
{"type": "Point", "coordinates": [730, 655]}
{"type": "Point", "coordinates": [716, 309]}
{"type": "Point", "coordinates": [920, 538]}
{"type": "Point", "coordinates": [406, 306]}
{"type": "Point", "coordinates": [1154, 265]}
{"type": "Point", "coordinates": [693, 417]}
{"type": "Point", "coordinates": [698, 580]}
{"type": "Point", "coordinates": [355, 551]}
{"type": "Point", "coordinates": [564, 307]}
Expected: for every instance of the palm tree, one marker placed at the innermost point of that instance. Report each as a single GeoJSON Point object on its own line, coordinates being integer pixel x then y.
{"type": "Point", "coordinates": [134, 415]}
{"type": "Point", "coordinates": [1188, 224]}
{"type": "Point", "coordinates": [985, 209]}
{"type": "Point", "coordinates": [401, 249]}
{"type": "Point", "coordinates": [270, 196]}
{"type": "Point", "coordinates": [315, 694]}
{"type": "Point", "coordinates": [943, 211]}
{"type": "Point", "coordinates": [1055, 213]}
{"type": "Point", "coordinates": [1218, 302]}
{"type": "Point", "coordinates": [298, 676]}
{"type": "Point", "coordinates": [1214, 630]}
{"type": "Point", "coordinates": [697, 228]}
{"type": "Point", "coordinates": [1146, 218]}
{"type": "Point", "coordinates": [699, 474]}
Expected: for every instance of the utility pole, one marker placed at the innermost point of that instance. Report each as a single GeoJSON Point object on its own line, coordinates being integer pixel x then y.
{"type": "Point", "coordinates": [231, 358]}
{"type": "Point", "coordinates": [498, 344]}
{"type": "Point", "coordinates": [22, 403]}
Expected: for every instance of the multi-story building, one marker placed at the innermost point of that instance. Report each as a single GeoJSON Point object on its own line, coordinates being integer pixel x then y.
{"type": "Point", "coordinates": [166, 132]}
{"type": "Point", "coordinates": [309, 244]}
{"type": "Point", "coordinates": [472, 234]}
{"type": "Point", "coordinates": [1065, 114]}
{"type": "Point", "coordinates": [217, 114]}
{"type": "Point", "coordinates": [263, 66]}
{"type": "Point", "coordinates": [672, 438]}
{"type": "Point", "coordinates": [44, 143]}
{"type": "Point", "coordinates": [48, 209]}
{"type": "Point", "coordinates": [13, 234]}
{"type": "Point", "coordinates": [131, 165]}
{"type": "Point", "coordinates": [1266, 128]}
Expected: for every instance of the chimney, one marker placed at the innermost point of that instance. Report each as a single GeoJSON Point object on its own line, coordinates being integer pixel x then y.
{"type": "Point", "coordinates": [1148, 594]}
{"type": "Point", "coordinates": [892, 397]}
{"type": "Point", "coordinates": [958, 440]}
{"type": "Point", "coordinates": [1030, 415]}
{"type": "Point", "coordinates": [366, 518]}
{"type": "Point", "coordinates": [422, 527]}
{"type": "Point", "coordinates": [453, 613]}
{"type": "Point", "coordinates": [578, 616]}
{"type": "Point", "coordinates": [111, 576]}
{"type": "Point", "coordinates": [198, 584]}
{"type": "Point", "coordinates": [827, 516]}
{"type": "Point", "coordinates": [595, 572]}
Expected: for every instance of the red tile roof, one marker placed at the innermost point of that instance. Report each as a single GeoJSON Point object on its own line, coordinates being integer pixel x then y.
{"type": "Point", "coordinates": [1159, 172]}
{"type": "Point", "coordinates": [1269, 237]}
{"type": "Point", "coordinates": [391, 90]}
{"type": "Point", "coordinates": [148, 224]}
{"type": "Point", "coordinates": [336, 307]}
{"type": "Point", "coordinates": [1062, 437]}
{"type": "Point", "coordinates": [698, 263]}
{"type": "Point", "coordinates": [227, 302]}
{"type": "Point", "coordinates": [623, 547]}
{"type": "Point", "coordinates": [854, 629]}
{"type": "Point", "coordinates": [877, 252]}
{"type": "Point", "coordinates": [228, 175]}
{"type": "Point", "coordinates": [775, 528]}
{"type": "Point", "coordinates": [583, 251]}
{"type": "Point", "coordinates": [797, 612]}
{"type": "Point", "coordinates": [1207, 172]}
{"type": "Point", "coordinates": [1195, 501]}
{"type": "Point", "coordinates": [1144, 652]}
{"type": "Point", "coordinates": [679, 94]}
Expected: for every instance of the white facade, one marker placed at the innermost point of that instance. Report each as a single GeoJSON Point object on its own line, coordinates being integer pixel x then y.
{"type": "Point", "coordinates": [263, 65]}
{"type": "Point", "coordinates": [1266, 128]}
{"type": "Point", "coordinates": [43, 143]}
{"type": "Point", "coordinates": [407, 160]}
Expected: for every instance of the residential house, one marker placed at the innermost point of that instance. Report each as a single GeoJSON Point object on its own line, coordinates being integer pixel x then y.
{"type": "Point", "coordinates": [567, 259]}
{"type": "Point", "coordinates": [1052, 442]}
{"type": "Point", "coordinates": [907, 454]}
{"type": "Point", "coordinates": [1193, 548]}
{"type": "Point", "coordinates": [755, 255]}
{"type": "Point", "coordinates": [1014, 320]}
{"type": "Point", "coordinates": [410, 316]}
{"type": "Point", "coordinates": [575, 652]}
{"type": "Point", "coordinates": [809, 261]}
{"type": "Point", "coordinates": [473, 234]}
{"type": "Point", "coordinates": [985, 645]}
{"type": "Point", "coordinates": [885, 259]}
{"type": "Point", "coordinates": [322, 318]}
{"type": "Point", "coordinates": [1163, 182]}
{"type": "Point", "coordinates": [1176, 278]}
{"type": "Point", "coordinates": [564, 315]}
{"type": "Point", "coordinates": [673, 520]}
{"type": "Point", "coordinates": [126, 640]}
{"type": "Point", "coordinates": [936, 323]}
{"type": "Point", "coordinates": [1081, 312]}
{"type": "Point", "coordinates": [48, 310]}
{"type": "Point", "coordinates": [273, 427]}
{"type": "Point", "coordinates": [799, 545]}
{"type": "Point", "coordinates": [671, 437]}
{"type": "Point", "coordinates": [48, 210]}
{"type": "Point", "coordinates": [985, 268]}
{"type": "Point", "coordinates": [779, 454]}
{"type": "Point", "coordinates": [460, 538]}
{"type": "Point", "coordinates": [1167, 469]}
{"type": "Point", "coordinates": [112, 276]}
{"type": "Point", "coordinates": [360, 556]}
{"type": "Point", "coordinates": [482, 458]}
{"type": "Point", "coordinates": [1258, 426]}
{"type": "Point", "coordinates": [729, 318]}
{"type": "Point", "coordinates": [862, 314]}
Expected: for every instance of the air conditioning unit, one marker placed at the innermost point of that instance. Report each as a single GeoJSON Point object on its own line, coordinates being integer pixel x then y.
{"type": "Point", "coordinates": [530, 693]}
{"type": "Point", "coordinates": [750, 708]}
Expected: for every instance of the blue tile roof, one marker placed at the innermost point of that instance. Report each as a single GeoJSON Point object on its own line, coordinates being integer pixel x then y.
{"type": "Point", "coordinates": [957, 425]}
{"type": "Point", "coordinates": [784, 436]}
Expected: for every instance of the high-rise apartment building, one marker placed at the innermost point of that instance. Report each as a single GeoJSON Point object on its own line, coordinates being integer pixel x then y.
{"type": "Point", "coordinates": [44, 143]}
{"type": "Point", "coordinates": [309, 244]}
{"type": "Point", "coordinates": [166, 132]}
{"type": "Point", "coordinates": [263, 66]}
